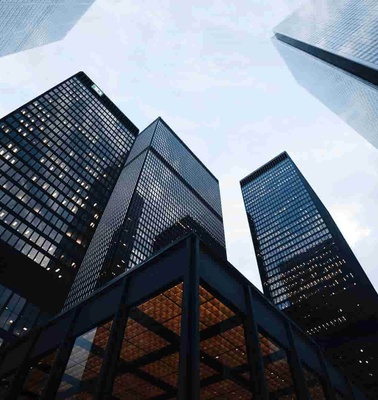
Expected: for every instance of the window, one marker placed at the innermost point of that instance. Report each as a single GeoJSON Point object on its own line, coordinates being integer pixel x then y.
{"type": "Point", "coordinates": [84, 364]}
{"type": "Point", "coordinates": [224, 372]}
{"type": "Point", "coordinates": [149, 357]}
{"type": "Point", "coordinates": [277, 370]}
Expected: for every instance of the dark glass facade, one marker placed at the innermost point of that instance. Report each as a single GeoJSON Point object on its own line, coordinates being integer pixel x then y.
{"type": "Point", "coordinates": [162, 184]}
{"type": "Point", "coordinates": [306, 266]}
{"type": "Point", "coordinates": [60, 157]}
{"type": "Point", "coordinates": [184, 325]}
{"type": "Point", "coordinates": [330, 46]}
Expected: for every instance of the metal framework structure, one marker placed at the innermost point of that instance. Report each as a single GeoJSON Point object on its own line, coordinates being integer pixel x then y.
{"type": "Point", "coordinates": [184, 324]}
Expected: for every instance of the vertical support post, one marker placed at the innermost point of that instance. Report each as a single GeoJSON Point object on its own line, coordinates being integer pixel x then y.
{"type": "Point", "coordinates": [61, 360]}
{"type": "Point", "coordinates": [328, 387]}
{"type": "Point", "coordinates": [189, 365]}
{"type": "Point", "coordinates": [110, 362]}
{"type": "Point", "coordinates": [296, 366]}
{"type": "Point", "coordinates": [258, 383]}
{"type": "Point", "coordinates": [23, 369]}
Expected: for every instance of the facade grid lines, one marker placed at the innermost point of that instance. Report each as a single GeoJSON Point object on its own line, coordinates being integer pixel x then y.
{"type": "Point", "coordinates": [28, 24]}
{"type": "Point", "coordinates": [60, 157]}
{"type": "Point", "coordinates": [307, 268]}
{"type": "Point", "coordinates": [163, 192]}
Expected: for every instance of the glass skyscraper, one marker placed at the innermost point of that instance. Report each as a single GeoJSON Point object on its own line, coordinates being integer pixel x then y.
{"type": "Point", "coordinates": [331, 48]}
{"type": "Point", "coordinates": [163, 192]}
{"type": "Point", "coordinates": [27, 24]}
{"type": "Point", "coordinates": [307, 268]}
{"type": "Point", "coordinates": [60, 157]}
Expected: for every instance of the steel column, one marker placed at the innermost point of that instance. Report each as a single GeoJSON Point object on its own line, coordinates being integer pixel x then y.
{"type": "Point", "coordinates": [23, 369]}
{"type": "Point", "coordinates": [296, 366]}
{"type": "Point", "coordinates": [189, 365]}
{"type": "Point", "coordinates": [328, 387]}
{"type": "Point", "coordinates": [258, 383]}
{"type": "Point", "coordinates": [61, 360]}
{"type": "Point", "coordinates": [110, 362]}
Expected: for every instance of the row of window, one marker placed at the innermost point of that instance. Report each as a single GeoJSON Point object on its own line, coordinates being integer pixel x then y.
{"type": "Point", "coordinates": [53, 170]}
{"type": "Point", "coordinates": [288, 245]}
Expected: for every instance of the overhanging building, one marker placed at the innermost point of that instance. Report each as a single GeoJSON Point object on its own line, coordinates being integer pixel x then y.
{"type": "Point", "coordinates": [28, 24]}
{"type": "Point", "coordinates": [163, 192]}
{"type": "Point", "coordinates": [183, 324]}
{"type": "Point", "coordinates": [60, 157]}
{"type": "Point", "coordinates": [331, 48]}
{"type": "Point", "coordinates": [307, 268]}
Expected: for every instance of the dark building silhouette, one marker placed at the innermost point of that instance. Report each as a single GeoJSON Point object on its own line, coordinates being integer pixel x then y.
{"type": "Point", "coordinates": [161, 183]}
{"type": "Point", "coordinates": [185, 324]}
{"type": "Point", "coordinates": [60, 157]}
{"type": "Point", "coordinates": [307, 268]}
{"type": "Point", "coordinates": [330, 46]}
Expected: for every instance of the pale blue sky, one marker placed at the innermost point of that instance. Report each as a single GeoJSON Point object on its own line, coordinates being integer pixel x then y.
{"type": "Point", "coordinates": [208, 68]}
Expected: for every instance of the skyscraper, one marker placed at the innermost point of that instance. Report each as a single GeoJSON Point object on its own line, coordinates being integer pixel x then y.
{"type": "Point", "coordinates": [307, 268]}
{"type": "Point", "coordinates": [28, 24]}
{"type": "Point", "coordinates": [330, 46]}
{"type": "Point", "coordinates": [60, 157]}
{"type": "Point", "coordinates": [162, 183]}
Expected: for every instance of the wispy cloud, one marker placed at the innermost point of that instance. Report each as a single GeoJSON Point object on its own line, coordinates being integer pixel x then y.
{"type": "Point", "coordinates": [347, 218]}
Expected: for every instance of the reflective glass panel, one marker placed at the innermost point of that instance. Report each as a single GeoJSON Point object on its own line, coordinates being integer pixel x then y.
{"type": "Point", "coordinates": [224, 365]}
{"type": "Point", "coordinates": [149, 357]}
{"type": "Point", "coordinates": [84, 365]}
{"type": "Point", "coordinates": [277, 370]}
{"type": "Point", "coordinates": [37, 377]}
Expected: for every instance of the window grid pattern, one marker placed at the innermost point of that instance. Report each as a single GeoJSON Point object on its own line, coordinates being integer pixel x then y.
{"type": "Point", "coordinates": [356, 100]}
{"type": "Point", "coordinates": [152, 205]}
{"type": "Point", "coordinates": [60, 156]}
{"type": "Point", "coordinates": [38, 375]}
{"type": "Point", "coordinates": [28, 24]}
{"type": "Point", "coordinates": [148, 353]}
{"type": "Point", "coordinates": [187, 166]}
{"type": "Point", "coordinates": [224, 363]}
{"type": "Point", "coordinates": [277, 370]}
{"type": "Point", "coordinates": [100, 249]}
{"type": "Point", "coordinates": [301, 260]}
{"type": "Point", "coordinates": [153, 328]}
{"type": "Point", "coordinates": [344, 27]}
{"type": "Point", "coordinates": [17, 315]}
{"type": "Point", "coordinates": [83, 367]}
{"type": "Point", "coordinates": [142, 142]}
{"type": "Point", "coordinates": [161, 190]}
{"type": "Point", "coordinates": [283, 214]}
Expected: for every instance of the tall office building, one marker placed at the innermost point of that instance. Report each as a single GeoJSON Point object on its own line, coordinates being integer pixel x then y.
{"type": "Point", "coordinates": [27, 24]}
{"type": "Point", "coordinates": [307, 268]}
{"type": "Point", "coordinates": [60, 157]}
{"type": "Point", "coordinates": [331, 48]}
{"type": "Point", "coordinates": [163, 192]}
